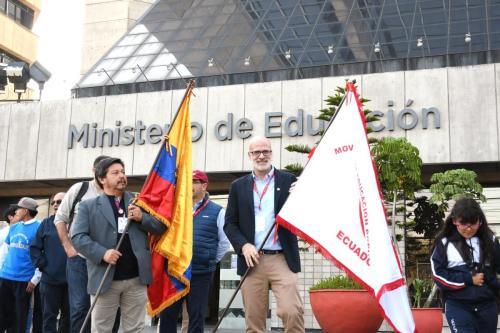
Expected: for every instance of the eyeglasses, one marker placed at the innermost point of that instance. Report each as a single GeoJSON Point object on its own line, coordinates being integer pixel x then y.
{"type": "Point", "coordinates": [470, 224]}
{"type": "Point", "coordinates": [197, 181]}
{"type": "Point", "coordinates": [256, 153]}
{"type": "Point", "coordinates": [55, 202]}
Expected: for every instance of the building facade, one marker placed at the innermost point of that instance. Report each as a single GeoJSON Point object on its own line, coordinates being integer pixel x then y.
{"type": "Point", "coordinates": [430, 70]}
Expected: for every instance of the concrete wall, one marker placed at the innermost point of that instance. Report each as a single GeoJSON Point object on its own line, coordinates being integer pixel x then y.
{"type": "Point", "coordinates": [34, 136]}
{"type": "Point", "coordinates": [105, 22]}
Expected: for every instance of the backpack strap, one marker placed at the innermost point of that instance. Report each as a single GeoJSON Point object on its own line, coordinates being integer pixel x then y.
{"type": "Point", "coordinates": [83, 189]}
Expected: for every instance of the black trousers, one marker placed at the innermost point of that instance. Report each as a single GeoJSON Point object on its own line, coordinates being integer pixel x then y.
{"type": "Point", "coordinates": [14, 305]}
{"type": "Point", "coordinates": [197, 301]}
{"type": "Point", "coordinates": [55, 300]}
{"type": "Point", "coordinates": [37, 319]}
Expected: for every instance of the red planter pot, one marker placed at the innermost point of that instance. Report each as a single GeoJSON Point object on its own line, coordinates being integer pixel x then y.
{"type": "Point", "coordinates": [428, 320]}
{"type": "Point", "coordinates": [339, 310]}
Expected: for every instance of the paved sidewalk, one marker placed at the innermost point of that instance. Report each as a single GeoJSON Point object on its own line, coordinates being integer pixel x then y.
{"type": "Point", "coordinates": [209, 328]}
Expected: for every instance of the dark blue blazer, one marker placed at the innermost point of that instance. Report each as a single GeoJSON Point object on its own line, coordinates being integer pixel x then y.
{"type": "Point", "coordinates": [239, 223]}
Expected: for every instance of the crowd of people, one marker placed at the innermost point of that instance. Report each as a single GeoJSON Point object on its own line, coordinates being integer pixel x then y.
{"type": "Point", "coordinates": [64, 257]}
{"type": "Point", "coordinates": [61, 261]}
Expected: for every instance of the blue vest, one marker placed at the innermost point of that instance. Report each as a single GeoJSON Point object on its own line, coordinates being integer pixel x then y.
{"type": "Point", "coordinates": [205, 238]}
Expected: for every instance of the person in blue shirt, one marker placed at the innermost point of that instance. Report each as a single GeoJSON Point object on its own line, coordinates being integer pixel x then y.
{"type": "Point", "coordinates": [18, 278]}
{"type": "Point", "coordinates": [48, 255]}
{"type": "Point", "coordinates": [465, 262]}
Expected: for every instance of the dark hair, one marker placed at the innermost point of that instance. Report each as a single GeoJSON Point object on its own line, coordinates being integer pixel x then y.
{"type": "Point", "coordinates": [99, 159]}
{"type": "Point", "coordinates": [467, 210]}
{"type": "Point", "coordinates": [11, 211]}
{"type": "Point", "coordinates": [103, 166]}
{"type": "Point", "coordinates": [32, 212]}
{"type": "Point", "coordinates": [96, 163]}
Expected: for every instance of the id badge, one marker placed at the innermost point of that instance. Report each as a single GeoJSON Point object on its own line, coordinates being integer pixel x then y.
{"type": "Point", "coordinates": [260, 223]}
{"type": "Point", "coordinates": [122, 223]}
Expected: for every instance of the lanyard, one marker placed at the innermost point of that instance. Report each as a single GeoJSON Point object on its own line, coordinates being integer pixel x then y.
{"type": "Point", "coordinates": [263, 192]}
{"type": "Point", "coordinates": [203, 205]}
{"type": "Point", "coordinates": [117, 202]}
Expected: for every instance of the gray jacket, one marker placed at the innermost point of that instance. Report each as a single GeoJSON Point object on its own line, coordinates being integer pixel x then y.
{"type": "Point", "coordinates": [94, 232]}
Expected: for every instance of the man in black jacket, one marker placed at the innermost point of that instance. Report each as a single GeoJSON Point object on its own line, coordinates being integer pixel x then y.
{"type": "Point", "coordinates": [48, 255]}
{"type": "Point", "coordinates": [254, 201]}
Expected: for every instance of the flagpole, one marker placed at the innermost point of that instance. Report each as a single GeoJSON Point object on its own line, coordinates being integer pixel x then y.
{"type": "Point", "coordinates": [241, 281]}
{"type": "Point", "coordinates": [190, 87]}
{"type": "Point", "coordinates": [268, 233]}
{"type": "Point", "coordinates": [98, 292]}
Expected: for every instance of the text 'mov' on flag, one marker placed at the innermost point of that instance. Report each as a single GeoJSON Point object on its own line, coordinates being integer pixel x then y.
{"type": "Point", "coordinates": [337, 206]}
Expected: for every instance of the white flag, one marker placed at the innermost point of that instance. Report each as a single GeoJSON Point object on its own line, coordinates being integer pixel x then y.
{"type": "Point", "coordinates": [337, 206]}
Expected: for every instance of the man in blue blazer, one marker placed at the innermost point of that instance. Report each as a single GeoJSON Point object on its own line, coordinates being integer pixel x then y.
{"type": "Point", "coordinates": [99, 225]}
{"type": "Point", "coordinates": [253, 203]}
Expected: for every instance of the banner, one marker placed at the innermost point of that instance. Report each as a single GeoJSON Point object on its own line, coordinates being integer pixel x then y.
{"type": "Point", "coordinates": [337, 206]}
{"type": "Point", "coordinates": [167, 195]}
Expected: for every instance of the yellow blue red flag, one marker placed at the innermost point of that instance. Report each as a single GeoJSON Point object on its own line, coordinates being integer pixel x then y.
{"type": "Point", "coordinates": [167, 195]}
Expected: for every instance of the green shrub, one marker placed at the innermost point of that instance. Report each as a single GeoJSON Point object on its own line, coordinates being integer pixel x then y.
{"type": "Point", "coordinates": [336, 282]}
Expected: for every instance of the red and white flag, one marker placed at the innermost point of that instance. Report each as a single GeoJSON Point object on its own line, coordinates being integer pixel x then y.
{"type": "Point", "coordinates": [337, 206]}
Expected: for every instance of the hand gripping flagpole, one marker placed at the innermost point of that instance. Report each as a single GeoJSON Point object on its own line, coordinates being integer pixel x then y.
{"type": "Point", "coordinates": [98, 292]}
{"type": "Point", "coordinates": [241, 281]}
{"type": "Point", "coordinates": [267, 236]}
{"type": "Point", "coordinates": [190, 87]}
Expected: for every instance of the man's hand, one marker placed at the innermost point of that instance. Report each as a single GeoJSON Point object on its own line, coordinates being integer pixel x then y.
{"type": "Point", "coordinates": [70, 250]}
{"type": "Point", "coordinates": [478, 279]}
{"type": "Point", "coordinates": [111, 256]}
{"type": "Point", "coordinates": [134, 213]}
{"type": "Point", "coordinates": [251, 255]}
{"type": "Point", "coordinates": [30, 287]}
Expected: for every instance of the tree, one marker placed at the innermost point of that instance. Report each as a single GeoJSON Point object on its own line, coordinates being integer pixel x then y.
{"type": "Point", "coordinates": [445, 186]}
{"type": "Point", "coordinates": [326, 114]}
{"type": "Point", "coordinates": [399, 169]}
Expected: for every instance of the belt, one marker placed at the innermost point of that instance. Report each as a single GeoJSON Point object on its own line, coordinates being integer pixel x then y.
{"type": "Point", "coordinates": [271, 251]}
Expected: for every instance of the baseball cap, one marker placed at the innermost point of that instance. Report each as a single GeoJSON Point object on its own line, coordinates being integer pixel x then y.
{"type": "Point", "coordinates": [200, 175]}
{"type": "Point", "coordinates": [28, 203]}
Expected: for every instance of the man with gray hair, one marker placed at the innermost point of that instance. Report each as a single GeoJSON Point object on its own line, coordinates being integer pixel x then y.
{"type": "Point", "coordinates": [253, 203]}
{"type": "Point", "coordinates": [18, 278]}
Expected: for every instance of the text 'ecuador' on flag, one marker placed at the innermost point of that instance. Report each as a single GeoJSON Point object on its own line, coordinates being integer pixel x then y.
{"type": "Point", "coordinates": [167, 195]}
{"type": "Point", "coordinates": [337, 206]}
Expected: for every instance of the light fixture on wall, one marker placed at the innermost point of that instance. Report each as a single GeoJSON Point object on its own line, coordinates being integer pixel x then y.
{"type": "Point", "coordinates": [468, 38]}
{"type": "Point", "coordinates": [330, 49]}
{"type": "Point", "coordinates": [19, 75]}
{"type": "Point", "coordinates": [247, 61]}
{"type": "Point", "coordinates": [420, 42]}
{"type": "Point", "coordinates": [211, 62]}
{"type": "Point", "coordinates": [288, 54]}
{"type": "Point", "coordinates": [376, 48]}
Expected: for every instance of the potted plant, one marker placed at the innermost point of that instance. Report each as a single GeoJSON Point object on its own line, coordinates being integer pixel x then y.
{"type": "Point", "coordinates": [341, 305]}
{"type": "Point", "coordinates": [427, 319]}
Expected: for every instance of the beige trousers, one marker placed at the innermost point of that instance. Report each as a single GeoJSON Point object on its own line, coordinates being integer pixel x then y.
{"type": "Point", "coordinates": [130, 296]}
{"type": "Point", "coordinates": [273, 271]}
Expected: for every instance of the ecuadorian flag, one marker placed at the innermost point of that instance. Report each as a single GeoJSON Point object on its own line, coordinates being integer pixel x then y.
{"type": "Point", "coordinates": [167, 195]}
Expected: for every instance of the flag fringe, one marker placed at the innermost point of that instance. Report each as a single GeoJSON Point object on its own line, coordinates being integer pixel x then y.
{"type": "Point", "coordinates": [177, 274]}
{"type": "Point", "coordinates": [152, 212]}
{"type": "Point", "coordinates": [337, 263]}
{"type": "Point", "coordinates": [153, 312]}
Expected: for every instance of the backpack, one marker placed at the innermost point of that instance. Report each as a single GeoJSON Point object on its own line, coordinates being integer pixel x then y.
{"type": "Point", "coordinates": [83, 189]}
